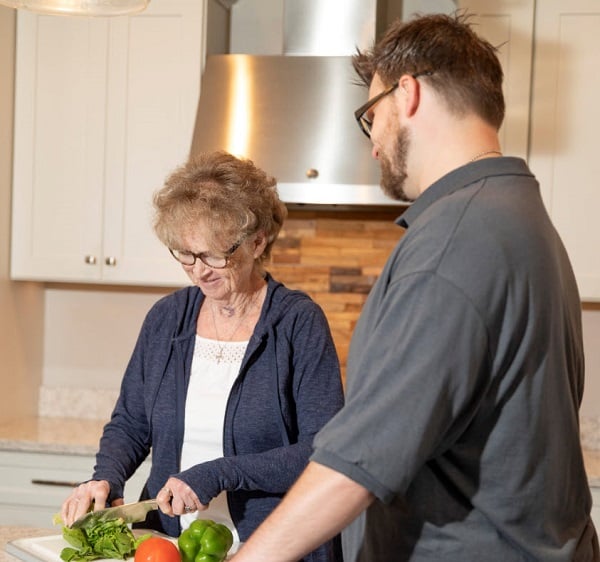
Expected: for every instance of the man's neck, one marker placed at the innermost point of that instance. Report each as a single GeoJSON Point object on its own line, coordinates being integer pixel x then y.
{"type": "Point", "coordinates": [468, 140]}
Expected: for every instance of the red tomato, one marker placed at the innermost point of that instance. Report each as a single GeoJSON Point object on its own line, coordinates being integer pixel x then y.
{"type": "Point", "coordinates": [157, 549]}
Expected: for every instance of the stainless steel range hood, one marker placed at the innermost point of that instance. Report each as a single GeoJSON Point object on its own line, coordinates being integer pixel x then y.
{"type": "Point", "coordinates": [293, 114]}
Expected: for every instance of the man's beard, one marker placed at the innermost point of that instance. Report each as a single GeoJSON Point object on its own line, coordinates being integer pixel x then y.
{"type": "Point", "coordinates": [393, 170]}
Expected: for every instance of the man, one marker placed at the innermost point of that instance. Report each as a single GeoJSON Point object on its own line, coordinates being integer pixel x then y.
{"type": "Point", "coordinates": [459, 440]}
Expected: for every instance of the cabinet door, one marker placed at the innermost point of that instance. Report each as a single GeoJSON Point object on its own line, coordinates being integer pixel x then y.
{"type": "Point", "coordinates": [105, 109]}
{"type": "Point", "coordinates": [564, 128]}
{"type": "Point", "coordinates": [60, 101]}
{"type": "Point", "coordinates": [508, 25]}
{"type": "Point", "coordinates": [155, 61]}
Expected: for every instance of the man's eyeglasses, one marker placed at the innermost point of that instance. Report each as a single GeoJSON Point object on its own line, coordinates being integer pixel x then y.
{"type": "Point", "coordinates": [360, 114]}
{"type": "Point", "coordinates": [188, 259]}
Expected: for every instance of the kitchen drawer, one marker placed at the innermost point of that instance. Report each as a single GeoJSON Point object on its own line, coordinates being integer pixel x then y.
{"type": "Point", "coordinates": [34, 485]}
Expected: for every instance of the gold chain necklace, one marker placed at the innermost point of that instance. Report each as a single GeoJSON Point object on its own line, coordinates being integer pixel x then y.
{"type": "Point", "coordinates": [219, 354]}
{"type": "Point", "coordinates": [485, 153]}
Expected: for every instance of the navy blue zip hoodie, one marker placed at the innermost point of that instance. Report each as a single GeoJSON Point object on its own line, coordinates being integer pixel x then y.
{"type": "Point", "coordinates": [288, 387]}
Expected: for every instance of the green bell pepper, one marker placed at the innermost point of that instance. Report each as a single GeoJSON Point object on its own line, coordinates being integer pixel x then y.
{"type": "Point", "coordinates": [205, 541]}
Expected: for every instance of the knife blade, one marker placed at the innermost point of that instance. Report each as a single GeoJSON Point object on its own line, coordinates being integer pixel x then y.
{"type": "Point", "coordinates": [129, 512]}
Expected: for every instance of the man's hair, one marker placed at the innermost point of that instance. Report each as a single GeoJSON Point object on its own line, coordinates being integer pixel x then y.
{"type": "Point", "coordinates": [461, 67]}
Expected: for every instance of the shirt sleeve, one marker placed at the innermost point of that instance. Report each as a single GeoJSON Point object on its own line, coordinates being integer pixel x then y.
{"type": "Point", "coordinates": [416, 370]}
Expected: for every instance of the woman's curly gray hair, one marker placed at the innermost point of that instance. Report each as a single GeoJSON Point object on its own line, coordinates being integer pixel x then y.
{"type": "Point", "coordinates": [230, 195]}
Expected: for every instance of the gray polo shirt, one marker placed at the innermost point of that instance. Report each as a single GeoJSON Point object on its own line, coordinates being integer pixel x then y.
{"type": "Point", "coordinates": [465, 375]}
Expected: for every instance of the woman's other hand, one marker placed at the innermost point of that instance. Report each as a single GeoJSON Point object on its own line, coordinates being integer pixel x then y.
{"type": "Point", "coordinates": [78, 503]}
{"type": "Point", "coordinates": [177, 498]}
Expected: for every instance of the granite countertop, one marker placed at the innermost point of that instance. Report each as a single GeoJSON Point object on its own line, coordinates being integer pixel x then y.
{"type": "Point", "coordinates": [52, 435]}
{"type": "Point", "coordinates": [80, 437]}
{"type": "Point", "coordinates": [8, 534]}
{"type": "Point", "coordinates": [592, 466]}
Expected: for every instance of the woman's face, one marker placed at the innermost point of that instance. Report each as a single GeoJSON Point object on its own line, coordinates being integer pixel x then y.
{"type": "Point", "coordinates": [239, 274]}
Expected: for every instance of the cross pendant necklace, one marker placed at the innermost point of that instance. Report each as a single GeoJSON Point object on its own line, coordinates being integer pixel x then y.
{"type": "Point", "coordinates": [220, 354]}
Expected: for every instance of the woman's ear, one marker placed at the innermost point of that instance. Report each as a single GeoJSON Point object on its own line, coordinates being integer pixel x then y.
{"type": "Point", "coordinates": [260, 243]}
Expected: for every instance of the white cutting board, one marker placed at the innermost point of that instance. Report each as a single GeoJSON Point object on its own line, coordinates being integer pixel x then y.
{"type": "Point", "coordinates": [48, 549]}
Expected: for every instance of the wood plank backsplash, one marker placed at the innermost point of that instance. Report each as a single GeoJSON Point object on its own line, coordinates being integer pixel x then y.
{"type": "Point", "coordinates": [335, 257]}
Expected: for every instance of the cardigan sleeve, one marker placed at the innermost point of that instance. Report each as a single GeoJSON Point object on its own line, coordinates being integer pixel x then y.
{"type": "Point", "coordinates": [126, 439]}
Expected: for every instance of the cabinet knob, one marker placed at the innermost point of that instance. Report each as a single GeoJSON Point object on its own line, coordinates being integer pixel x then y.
{"type": "Point", "coordinates": [111, 260]}
{"type": "Point", "coordinates": [312, 173]}
{"type": "Point", "coordinates": [90, 260]}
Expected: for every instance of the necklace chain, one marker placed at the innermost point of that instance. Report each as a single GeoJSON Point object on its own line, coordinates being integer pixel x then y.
{"type": "Point", "coordinates": [485, 153]}
{"type": "Point", "coordinates": [219, 355]}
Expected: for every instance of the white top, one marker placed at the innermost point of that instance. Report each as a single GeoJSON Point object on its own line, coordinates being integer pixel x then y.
{"type": "Point", "coordinates": [215, 366]}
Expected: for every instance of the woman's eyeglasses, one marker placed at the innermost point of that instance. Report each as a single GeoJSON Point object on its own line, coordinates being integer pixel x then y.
{"type": "Point", "coordinates": [187, 258]}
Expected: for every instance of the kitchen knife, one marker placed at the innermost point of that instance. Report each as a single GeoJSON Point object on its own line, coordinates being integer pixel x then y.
{"type": "Point", "coordinates": [129, 512]}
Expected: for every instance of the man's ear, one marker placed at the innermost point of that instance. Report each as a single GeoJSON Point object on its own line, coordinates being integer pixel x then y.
{"type": "Point", "coordinates": [411, 89]}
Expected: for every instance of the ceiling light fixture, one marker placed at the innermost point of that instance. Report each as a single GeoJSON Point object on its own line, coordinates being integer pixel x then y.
{"type": "Point", "coordinates": [80, 7]}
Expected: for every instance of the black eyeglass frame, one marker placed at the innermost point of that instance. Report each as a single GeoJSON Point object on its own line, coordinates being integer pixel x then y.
{"type": "Point", "coordinates": [202, 256]}
{"type": "Point", "coordinates": [364, 124]}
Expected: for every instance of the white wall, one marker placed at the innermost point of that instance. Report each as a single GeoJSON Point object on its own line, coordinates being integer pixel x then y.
{"type": "Point", "coordinates": [89, 334]}
{"type": "Point", "coordinates": [20, 303]}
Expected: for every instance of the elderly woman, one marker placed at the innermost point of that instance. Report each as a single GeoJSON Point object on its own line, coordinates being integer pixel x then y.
{"type": "Point", "coordinates": [231, 377]}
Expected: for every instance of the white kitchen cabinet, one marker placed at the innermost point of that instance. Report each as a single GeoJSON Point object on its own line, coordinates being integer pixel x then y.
{"type": "Point", "coordinates": [104, 110]}
{"type": "Point", "coordinates": [33, 485]}
{"type": "Point", "coordinates": [508, 25]}
{"type": "Point", "coordinates": [564, 128]}
{"type": "Point", "coordinates": [549, 53]}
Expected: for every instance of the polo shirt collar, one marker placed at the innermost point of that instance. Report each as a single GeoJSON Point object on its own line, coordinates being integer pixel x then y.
{"type": "Point", "coordinates": [461, 178]}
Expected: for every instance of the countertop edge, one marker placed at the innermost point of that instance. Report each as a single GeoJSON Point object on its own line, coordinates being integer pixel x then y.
{"type": "Point", "coordinates": [74, 436]}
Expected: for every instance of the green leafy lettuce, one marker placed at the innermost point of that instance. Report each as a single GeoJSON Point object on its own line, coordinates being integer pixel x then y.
{"type": "Point", "coordinates": [100, 539]}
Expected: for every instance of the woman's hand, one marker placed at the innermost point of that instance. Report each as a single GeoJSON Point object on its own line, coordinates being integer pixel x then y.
{"type": "Point", "coordinates": [82, 497]}
{"type": "Point", "coordinates": [177, 498]}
